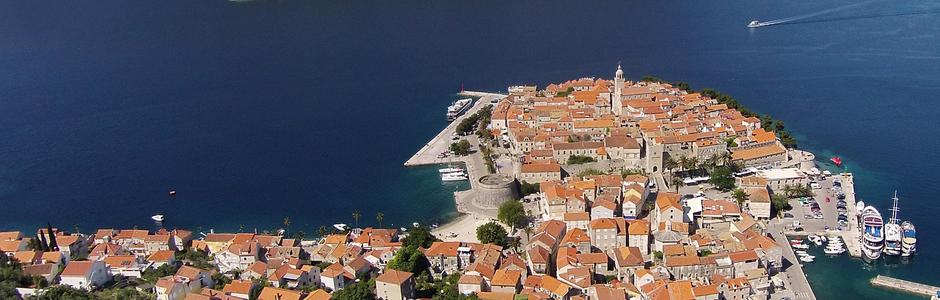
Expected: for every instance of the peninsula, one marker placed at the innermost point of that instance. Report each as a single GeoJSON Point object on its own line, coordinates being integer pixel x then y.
{"type": "Point", "coordinates": [585, 189]}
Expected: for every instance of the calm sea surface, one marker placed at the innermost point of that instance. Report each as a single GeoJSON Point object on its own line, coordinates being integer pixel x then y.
{"type": "Point", "coordinates": [257, 111]}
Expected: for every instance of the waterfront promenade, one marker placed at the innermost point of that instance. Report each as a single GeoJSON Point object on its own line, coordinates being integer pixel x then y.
{"type": "Point", "coordinates": [428, 154]}
{"type": "Point", "coordinates": [464, 227]}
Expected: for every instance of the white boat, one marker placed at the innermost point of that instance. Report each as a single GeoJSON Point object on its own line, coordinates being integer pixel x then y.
{"type": "Point", "coordinates": [754, 24]}
{"type": "Point", "coordinates": [909, 242]}
{"type": "Point", "coordinates": [450, 170]}
{"type": "Point", "coordinates": [456, 176]}
{"type": "Point", "coordinates": [806, 259]}
{"type": "Point", "coordinates": [459, 107]}
{"type": "Point", "coordinates": [340, 226]}
{"type": "Point", "coordinates": [158, 217]}
{"type": "Point", "coordinates": [830, 250]}
{"type": "Point", "coordinates": [872, 233]}
{"type": "Point", "coordinates": [801, 246]}
{"type": "Point", "coordinates": [859, 206]}
{"type": "Point", "coordinates": [893, 231]}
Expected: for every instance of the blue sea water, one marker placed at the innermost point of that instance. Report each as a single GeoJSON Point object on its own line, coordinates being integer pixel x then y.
{"type": "Point", "coordinates": [257, 111]}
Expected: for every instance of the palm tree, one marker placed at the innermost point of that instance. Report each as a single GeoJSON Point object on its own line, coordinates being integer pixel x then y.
{"type": "Point", "coordinates": [676, 181]}
{"type": "Point", "coordinates": [379, 217]}
{"type": "Point", "coordinates": [322, 231]}
{"type": "Point", "coordinates": [356, 214]}
{"type": "Point", "coordinates": [670, 164]}
{"type": "Point", "coordinates": [286, 223]}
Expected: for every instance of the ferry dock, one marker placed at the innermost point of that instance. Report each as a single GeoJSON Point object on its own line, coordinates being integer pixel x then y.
{"type": "Point", "coordinates": [428, 154]}
{"type": "Point", "coordinates": [906, 286]}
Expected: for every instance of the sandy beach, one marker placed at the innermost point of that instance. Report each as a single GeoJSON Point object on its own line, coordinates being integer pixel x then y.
{"type": "Point", "coordinates": [464, 229]}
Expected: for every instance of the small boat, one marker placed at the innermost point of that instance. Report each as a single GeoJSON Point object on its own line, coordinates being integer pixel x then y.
{"type": "Point", "coordinates": [340, 226]}
{"type": "Point", "coordinates": [909, 242]}
{"type": "Point", "coordinates": [158, 217]}
{"type": "Point", "coordinates": [806, 259]}
{"type": "Point", "coordinates": [457, 176]}
{"type": "Point", "coordinates": [450, 170]}
{"type": "Point", "coordinates": [415, 224]}
{"type": "Point", "coordinates": [801, 246]}
{"type": "Point", "coordinates": [836, 160]}
{"type": "Point", "coordinates": [172, 193]}
{"type": "Point", "coordinates": [829, 250]}
{"type": "Point", "coordinates": [753, 24]}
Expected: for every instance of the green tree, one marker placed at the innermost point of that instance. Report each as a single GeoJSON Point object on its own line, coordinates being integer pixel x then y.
{"type": "Point", "coordinates": [379, 216]}
{"type": "Point", "coordinates": [526, 188]}
{"type": "Point", "coordinates": [512, 213]}
{"type": "Point", "coordinates": [219, 280]}
{"type": "Point", "coordinates": [492, 233]}
{"type": "Point", "coordinates": [676, 181]}
{"type": "Point", "coordinates": [286, 223]}
{"type": "Point", "coordinates": [356, 291]}
{"type": "Point", "coordinates": [590, 172]}
{"type": "Point", "coordinates": [780, 203]}
{"type": "Point", "coordinates": [152, 275]}
{"type": "Point", "coordinates": [322, 231]}
{"type": "Point", "coordinates": [460, 148]}
{"type": "Point", "coordinates": [53, 246]}
{"type": "Point", "coordinates": [356, 215]}
{"type": "Point", "coordinates": [722, 178]}
{"type": "Point", "coordinates": [739, 196]}
{"type": "Point", "coordinates": [580, 159]}
{"type": "Point", "coordinates": [127, 293]}
{"type": "Point", "coordinates": [419, 237]}
{"type": "Point", "coordinates": [63, 292]}
{"type": "Point", "coordinates": [409, 259]}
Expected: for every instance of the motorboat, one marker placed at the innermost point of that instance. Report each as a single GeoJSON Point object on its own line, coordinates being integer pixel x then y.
{"type": "Point", "coordinates": [909, 240]}
{"type": "Point", "coordinates": [340, 226]}
{"type": "Point", "coordinates": [836, 160]}
{"type": "Point", "coordinates": [456, 176]}
{"type": "Point", "coordinates": [872, 233]}
{"type": "Point", "coordinates": [158, 217]}
{"type": "Point", "coordinates": [834, 251]}
{"type": "Point", "coordinates": [808, 259]}
{"type": "Point", "coordinates": [800, 246]}
{"type": "Point", "coordinates": [450, 170]}
{"type": "Point", "coordinates": [753, 24]}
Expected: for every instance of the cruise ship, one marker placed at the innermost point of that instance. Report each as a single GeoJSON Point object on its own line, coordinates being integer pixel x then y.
{"type": "Point", "coordinates": [872, 235]}
{"type": "Point", "coordinates": [459, 107]}
{"type": "Point", "coordinates": [893, 231]}
{"type": "Point", "coordinates": [909, 241]}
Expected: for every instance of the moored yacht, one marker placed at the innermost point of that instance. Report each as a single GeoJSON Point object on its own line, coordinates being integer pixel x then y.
{"type": "Point", "coordinates": [459, 107]}
{"type": "Point", "coordinates": [872, 233]}
{"type": "Point", "coordinates": [456, 176]}
{"type": "Point", "coordinates": [450, 170]}
{"type": "Point", "coordinates": [909, 241]}
{"type": "Point", "coordinates": [893, 230]}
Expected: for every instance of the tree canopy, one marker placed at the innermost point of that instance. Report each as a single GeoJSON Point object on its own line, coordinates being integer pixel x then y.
{"type": "Point", "coordinates": [409, 259]}
{"type": "Point", "coordinates": [356, 291]}
{"type": "Point", "coordinates": [580, 159]}
{"type": "Point", "coordinates": [492, 233]}
{"type": "Point", "coordinates": [512, 214]}
{"type": "Point", "coordinates": [722, 178]}
{"type": "Point", "coordinates": [419, 237]}
{"type": "Point", "coordinates": [460, 148]}
{"type": "Point", "coordinates": [526, 188]}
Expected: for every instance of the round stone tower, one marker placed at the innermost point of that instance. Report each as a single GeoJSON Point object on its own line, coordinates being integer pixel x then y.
{"type": "Point", "coordinates": [495, 189]}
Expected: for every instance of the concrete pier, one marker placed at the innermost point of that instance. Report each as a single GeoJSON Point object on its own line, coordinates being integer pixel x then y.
{"type": "Point", "coordinates": [905, 286]}
{"type": "Point", "coordinates": [852, 235]}
{"type": "Point", "coordinates": [428, 153]}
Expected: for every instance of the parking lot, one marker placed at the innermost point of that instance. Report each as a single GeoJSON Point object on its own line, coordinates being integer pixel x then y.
{"type": "Point", "coordinates": [827, 211]}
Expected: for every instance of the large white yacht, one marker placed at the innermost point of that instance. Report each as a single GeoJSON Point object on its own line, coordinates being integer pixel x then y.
{"type": "Point", "coordinates": [872, 233]}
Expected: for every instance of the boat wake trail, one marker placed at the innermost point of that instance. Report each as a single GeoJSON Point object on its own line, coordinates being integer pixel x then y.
{"type": "Point", "coordinates": [810, 15]}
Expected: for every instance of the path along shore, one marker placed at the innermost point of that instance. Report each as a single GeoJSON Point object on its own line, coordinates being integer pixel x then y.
{"type": "Point", "coordinates": [463, 228]}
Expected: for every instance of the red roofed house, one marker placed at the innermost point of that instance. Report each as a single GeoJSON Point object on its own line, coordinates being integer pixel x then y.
{"type": "Point", "coordinates": [395, 285]}
{"type": "Point", "coordinates": [85, 275]}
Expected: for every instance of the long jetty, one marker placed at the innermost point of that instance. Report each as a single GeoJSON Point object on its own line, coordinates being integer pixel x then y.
{"type": "Point", "coordinates": [905, 286]}
{"type": "Point", "coordinates": [428, 154]}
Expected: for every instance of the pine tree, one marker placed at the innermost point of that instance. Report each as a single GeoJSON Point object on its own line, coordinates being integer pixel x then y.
{"type": "Point", "coordinates": [52, 244]}
{"type": "Point", "coordinates": [43, 246]}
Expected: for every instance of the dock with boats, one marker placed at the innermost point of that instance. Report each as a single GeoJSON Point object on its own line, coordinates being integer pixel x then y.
{"type": "Point", "coordinates": [905, 286]}
{"type": "Point", "coordinates": [852, 235]}
{"type": "Point", "coordinates": [429, 154]}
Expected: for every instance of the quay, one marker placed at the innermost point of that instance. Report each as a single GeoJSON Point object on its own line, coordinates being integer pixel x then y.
{"type": "Point", "coordinates": [852, 235]}
{"type": "Point", "coordinates": [427, 155]}
{"type": "Point", "coordinates": [905, 286]}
